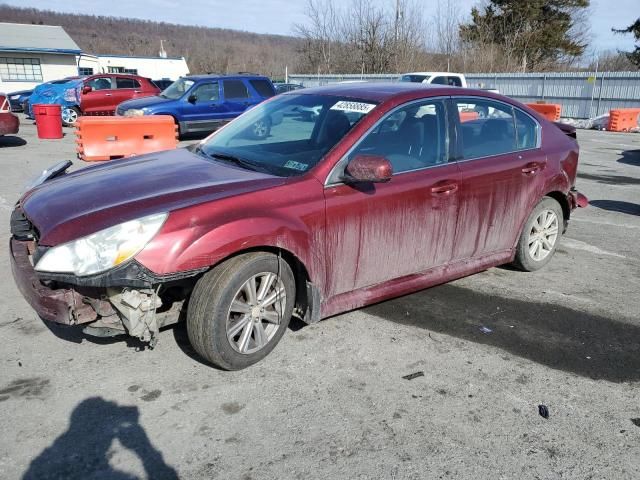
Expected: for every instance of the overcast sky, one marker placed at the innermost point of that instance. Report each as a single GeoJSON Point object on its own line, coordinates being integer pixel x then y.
{"type": "Point", "coordinates": [278, 16]}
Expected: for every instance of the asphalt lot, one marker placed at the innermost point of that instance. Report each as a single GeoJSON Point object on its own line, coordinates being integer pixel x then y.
{"type": "Point", "coordinates": [330, 401]}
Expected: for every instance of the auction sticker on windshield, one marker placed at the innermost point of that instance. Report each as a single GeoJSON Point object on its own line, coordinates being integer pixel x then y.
{"type": "Point", "coordinates": [358, 107]}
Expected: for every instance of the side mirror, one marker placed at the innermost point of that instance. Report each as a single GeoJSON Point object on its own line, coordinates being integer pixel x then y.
{"type": "Point", "coordinates": [368, 168]}
{"type": "Point", "coordinates": [86, 89]}
{"type": "Point", "coordinates": [192, 99]}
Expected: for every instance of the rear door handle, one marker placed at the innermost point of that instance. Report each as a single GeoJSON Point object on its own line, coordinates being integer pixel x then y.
{"type": "Point", "coordinates": [444, 188]}
{"type": "Point", "coordinates": [107, 94]}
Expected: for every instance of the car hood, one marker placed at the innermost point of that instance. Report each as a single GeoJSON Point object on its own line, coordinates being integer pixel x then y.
{"type": "Point", "coordinates": [86, 201]}
{"type": "Point", "coordinates": [144, 102]}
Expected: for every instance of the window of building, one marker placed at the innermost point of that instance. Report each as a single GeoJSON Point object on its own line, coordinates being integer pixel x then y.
{"type": "Point", "coordinates": [20, 69]}
{"type": "Point", "coordinates": [82, 71]}
{"type": "Point", "coordinates": [127, 83]}
{"type": "Point", "coordinates": [130, 71]}
{"type": "Point", "coordinates": [235, 89]}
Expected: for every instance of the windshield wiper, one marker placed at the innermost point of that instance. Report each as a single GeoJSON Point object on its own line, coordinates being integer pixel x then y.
{"type": "Point", "coordinates": [233, 159]}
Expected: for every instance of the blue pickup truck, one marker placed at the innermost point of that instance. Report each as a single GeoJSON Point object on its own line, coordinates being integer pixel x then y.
{"type": "Point", "coordinates": [202, 103]}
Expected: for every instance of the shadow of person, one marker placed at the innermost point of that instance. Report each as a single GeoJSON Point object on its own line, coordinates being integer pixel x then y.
{"type": "Point", "coordinates": [82, 452]}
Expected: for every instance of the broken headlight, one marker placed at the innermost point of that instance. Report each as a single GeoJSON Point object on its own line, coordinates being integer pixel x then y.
{"type": "Point", "coordinates": [102, 250]}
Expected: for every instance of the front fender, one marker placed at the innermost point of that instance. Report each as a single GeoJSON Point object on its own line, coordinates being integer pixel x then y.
{"type": "Point", "coordinates": [196, 247]}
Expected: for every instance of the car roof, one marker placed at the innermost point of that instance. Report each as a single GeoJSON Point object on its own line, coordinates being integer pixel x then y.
{"type": "Point", "coordinates": [381, 91]}
{"type": "Point", "coordinates": [211, 76]}
{"type": "Point", "coordinates": [397, 92]}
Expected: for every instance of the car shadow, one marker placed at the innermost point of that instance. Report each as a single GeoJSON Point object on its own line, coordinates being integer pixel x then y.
{"type": "Point", "coordinates": [84, 450]}
{"type": "Point", "coordinates": [617, 206]}
{"type": "Point", "coordinates": [588, 345]}
{"type": "Point", "coordinates": [11, 141]}
{"type": "Point", "coordinates": [630, 157]}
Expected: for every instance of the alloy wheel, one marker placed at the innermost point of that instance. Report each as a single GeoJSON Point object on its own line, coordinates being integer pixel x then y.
{"type": "Point", "coordinates": [256, 312]}
{"type": "Point", "coordinates": [543, 235]}
{"type": "Point", "coordinates": [69, 116]}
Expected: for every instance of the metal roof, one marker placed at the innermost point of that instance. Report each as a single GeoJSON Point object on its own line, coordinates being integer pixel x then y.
{"type": "Point", "coordinates": [19, 37]}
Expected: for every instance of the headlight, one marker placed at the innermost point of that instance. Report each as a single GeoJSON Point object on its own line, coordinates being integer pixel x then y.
{"type": "Point", "coordinates": [103, 250]}
{"type": "Point", "coordinates": [134, 112]}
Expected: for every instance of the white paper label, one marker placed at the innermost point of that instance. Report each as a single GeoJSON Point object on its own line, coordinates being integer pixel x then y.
{"type": "Point", "coordinates": [358, 107]}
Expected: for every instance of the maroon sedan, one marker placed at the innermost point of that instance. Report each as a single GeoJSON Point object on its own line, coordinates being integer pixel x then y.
{"type": "Point", "coordinates": [388, 190]}
{"type": "Point", "coordinates": [9, 123]}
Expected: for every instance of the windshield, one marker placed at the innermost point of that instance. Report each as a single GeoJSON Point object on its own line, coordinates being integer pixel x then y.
{"type": "Point", "coordinates": [177, 89]}
{"type": "Point", "coordinates": [288, 135]}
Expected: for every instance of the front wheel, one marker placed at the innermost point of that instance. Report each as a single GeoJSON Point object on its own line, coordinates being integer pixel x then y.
{"type": "Point", "coordinates": [70, 116]}
{"type": "Point", "coordinates": [240, 309]}
{"type": "Point", "coordinates": [540, 236]}
{"type": "Point", "coordinates": [261, 129]}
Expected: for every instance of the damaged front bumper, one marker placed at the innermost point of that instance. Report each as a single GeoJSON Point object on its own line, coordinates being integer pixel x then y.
{"type": "Point", "coordinates": [62, 305]}
{"type": "Point", "coordinates": [106, 309]}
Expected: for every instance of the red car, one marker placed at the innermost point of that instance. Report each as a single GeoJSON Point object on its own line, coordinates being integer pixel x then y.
{"type": "Point", "coordinates": [9, 123]}
{"type": "Point", "coordinates": [101, 94]}
{"type": "Point", "coordinates": [385, 192]}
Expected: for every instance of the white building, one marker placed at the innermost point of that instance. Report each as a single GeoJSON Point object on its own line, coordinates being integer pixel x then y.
{"type": "Point", "coordinates": [33, 54]}
{"type": "Point", "coordinates": [155, 68]}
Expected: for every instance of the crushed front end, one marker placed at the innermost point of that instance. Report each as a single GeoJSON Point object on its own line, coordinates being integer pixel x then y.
{"type": "Point", "coordinates": [128, 299]}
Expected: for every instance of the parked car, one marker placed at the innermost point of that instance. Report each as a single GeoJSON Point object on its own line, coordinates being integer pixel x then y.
{"type": "Point", "coordinates": [9, 123]}
{"type": "Point", "coordinates": [436, 78]}
{"type": "Point", "coordinates": [286, 87]}
{"type": "Point", "coordinates": [387, 192]}
{"type": "Point", "coordinates": [202, 103]}
{"type": "Point", "coordinates": [95, 95]}
{"type": "Point", "coordinates": [62, 92]}
{"type": "Point", "coordinates": [18, 99]}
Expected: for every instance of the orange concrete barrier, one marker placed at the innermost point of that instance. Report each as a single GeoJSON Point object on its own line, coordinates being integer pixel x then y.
{"type": "Point", "coordinates": [623, 119]}
{"type": "Point", "coordinates": [551, 111]}
{"type": "Point", "coordinates": [468, 116]}
{"type": "Point", "coordinates": [107, 138]}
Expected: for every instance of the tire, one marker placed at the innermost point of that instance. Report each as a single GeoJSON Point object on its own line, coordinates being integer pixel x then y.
{"type": "Point", "coordinates": [212, 322]}
{"type": "Point", "coordinates": [261, 129]}
{"type": "Point", "coordinates": [70, 116]}
{"type": "Point", "coordinates": [538, 242]}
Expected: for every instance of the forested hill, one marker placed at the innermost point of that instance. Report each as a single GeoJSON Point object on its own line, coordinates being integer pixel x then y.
{"type": "Point", "coordinates": [205, 49]}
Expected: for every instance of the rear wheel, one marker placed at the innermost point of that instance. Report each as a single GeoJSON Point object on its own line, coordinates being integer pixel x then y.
{"type": "Point", "coordinates": [540, 236]}
{"type": "Point", "coordinates": [239, 310]}
{"type": "Point", "coordinates": [70, 116]}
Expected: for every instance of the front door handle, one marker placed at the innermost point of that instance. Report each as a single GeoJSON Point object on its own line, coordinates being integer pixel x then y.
{"type": "Point", "coordinates": [531, 168]}
{"type": "Point", "coordinates": [444, 188]}
{"type": "Point", "coordinates": [107, 94]}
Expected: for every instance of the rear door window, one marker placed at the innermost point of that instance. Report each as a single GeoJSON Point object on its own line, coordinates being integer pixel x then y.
{"type": "Point", "coordinates": [487, 128]}
{"type": "Point", "coordinates": [127, 83]}
{"type": "Point", "coordinates": [235, 89]}
{"type": "Point", "coordinates": [454, 81]}
{"type": "Point", "coordinates": [526, 131]}
{"type": "Point", "coordinates": [439, 80]}
{"type": "Point", "coordinates": [263, 87]}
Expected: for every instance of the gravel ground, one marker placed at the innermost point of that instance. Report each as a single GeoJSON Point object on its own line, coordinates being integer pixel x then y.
{"type": "Point", "coordinates": [330, 401]}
